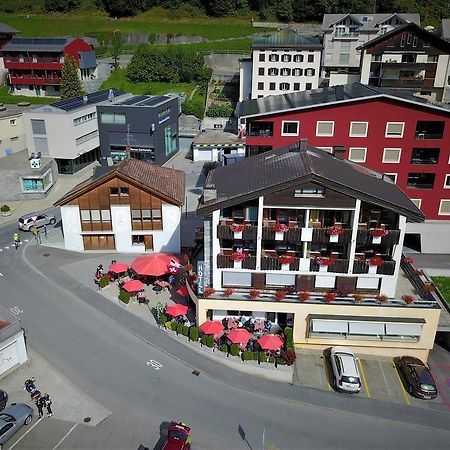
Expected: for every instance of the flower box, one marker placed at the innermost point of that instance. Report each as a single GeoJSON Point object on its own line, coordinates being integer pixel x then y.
{"type": "Point", "coordinates": [324, 261]}
{"type": "Point", "coordinates": [375, 261]}
{"type": "Point", "coordinates": [286, 259]}
{"type": "Point", "coordinates": [280, 228]}
{"type": "Point", "coordinates": [334, 232]}
{"type": "Point", "coordinates": [377, 234]}
{"type": "Point", "coordinates": [238, 256]}
{"type": "Point", "coordinates": [237, 264]}
{"type": "Point", "coordinates": [237, 230]}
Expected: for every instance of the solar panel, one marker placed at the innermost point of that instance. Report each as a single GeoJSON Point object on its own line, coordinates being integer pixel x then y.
{"type": "Point", "coordinates": [133, 100]}
{"type": "Point", "coordinates": [76, 102]}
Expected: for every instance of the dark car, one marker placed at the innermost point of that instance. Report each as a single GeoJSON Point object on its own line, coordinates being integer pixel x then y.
{"type": "Point", "coordinates": [3, 400]}
{"type": "Point", "coordinates": [178, 437]}
{"type": "Point", "coordinates": [417, 377]}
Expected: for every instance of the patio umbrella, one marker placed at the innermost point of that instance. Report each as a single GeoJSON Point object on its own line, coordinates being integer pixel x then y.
{"type": "Point", "coordinates": [177, 310]}
{"type": "Point", "coordinates": [239, 336]}
{"type": "Point", "coordinates": [155, 264]}
{"type": "Point", "coordinates": [270, 342]}
{"type": "Point", "coordinates": [211, 327]}
{"type": "Point", "coordinates": [183, 291]}
{"type": "Point", "coordinates": [118, 267]}
{"type": "Point", "coordinates": [133, 285]}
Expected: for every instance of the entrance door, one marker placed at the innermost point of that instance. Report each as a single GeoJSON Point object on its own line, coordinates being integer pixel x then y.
{"type": "Point", "coordinates": [99, 242]}
{"type": "Point", "coordinates": [282, 319]}
{"type": "Point", "coordinates": [148, 241]}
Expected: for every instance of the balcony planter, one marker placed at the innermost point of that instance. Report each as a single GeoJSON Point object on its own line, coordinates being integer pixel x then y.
{"type": "Point", "coordinates": [334, 232]}
{"type": "Point", "coordinates": [378, 234]}
{"type": "Point", "coordinates": [237, 230]}
{"type": "Point", "coordinates": [324, 262]}
{"type": "Point", "coordinates": [286, 261]}
{"type": "Point", "coordinates": [374, 263]}
{"type": "Point", "coordinates": [280, 229]}
{"type": "Point", "coordinates": [237, 258]}
{"type": "Point", "coordinates": [237, 264]}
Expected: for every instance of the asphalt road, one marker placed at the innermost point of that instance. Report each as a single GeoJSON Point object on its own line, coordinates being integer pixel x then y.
{"type": "Point", "coordinates": [104, 350]}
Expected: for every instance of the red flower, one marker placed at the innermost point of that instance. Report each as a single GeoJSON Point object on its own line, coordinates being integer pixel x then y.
{"type": "Point", "coordinates": [304, 296]}
{"type": "Point", "coordinates": [324, 261]}
{"type": "Point", "coordinates": [379, 232]}
{"type": "Point", "coordinates": [375, 261]}
{"type": "Point", "coordinates": [418, 272]}
{"type": "Point", "coordinates": [254, 294]}
{"type": "Point", "coordinates": [330, 297]}
{"type": "Point", "coordinates": [280, 295]}
{"type": "Point", "coordinates": [429, 287]}
{"type": "Point", "coordinates": [209, 291]}
{"type": "Point", "coordinates": [280, 228]}
{"type": "Point", "coordinates": [286, 259]}
{"type": "Point", "coordinates": [335, 230]}
{"type": "Point", "coordinates": [237, 228]}
{"type": "Point", "coordinates": [382, 298]}
{"type": "Point", "coordinates": [238, 256]}
{"type": "Point", "coordinates": [408, 299]}
{"type": "Point", "coordinates": [228, 292]}
{"type": "Point", "coordinates": [409, 260]}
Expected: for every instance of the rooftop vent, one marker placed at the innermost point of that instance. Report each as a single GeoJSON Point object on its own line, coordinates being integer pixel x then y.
{"type": "Point", "coordinates": [339, 91]}
{"type": "Point", "coordinates": [338, 151]}
{"type": "Point", "coordinates": [209, 193]}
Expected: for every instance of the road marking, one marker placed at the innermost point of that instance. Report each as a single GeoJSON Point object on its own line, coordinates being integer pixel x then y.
{"type": "Point", "coordinates": [26, 240]}
{"type": "Point", "coordinates": [6, 248]}
{"type": "Point", "coordinates": [24, 434]}
{"type": "Point", "coordinates": [405, 395]}
{"type": "Point", "coordinates": [366, 386]}
{"type": "Point", "coordinates": [441, 392]}
{"type": "Point", "coordinates": [64, 437]}
{"type": "Point", "coordinates": [1, 274]}
{"type": "Point", "coordinates": [385, 379]}
{"type": "Point", "coordinates": [16, 310]}
{"type": "Point", "coordinates": [155, 364]}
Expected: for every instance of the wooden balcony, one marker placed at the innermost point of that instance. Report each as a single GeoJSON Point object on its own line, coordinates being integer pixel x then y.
{"type": "Point", "coordinates": [364, 237]}
{"type": "Point", "coordinates": [291, 235]}
{"type": "Point", "coordinates": [387, 268]}
{"type": "Point", "coordinates": [321, 235]}
{"type": "Point", "coordinates": [249, 233]}
{"type": "Point", "coordinates": [273, 263]}
{"type": "Point", "coordinates": [338, 266]}
{"type": "Point", "coordinates": [225, 262]}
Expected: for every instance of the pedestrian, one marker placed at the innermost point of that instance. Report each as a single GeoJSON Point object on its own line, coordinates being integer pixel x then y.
{"type": "Point", "coordinates": [45, 231]}
{"type": "Point", "coordinates": [113, 261]}
{"type": "Point", "coordinates": [35, 232]}
{"type": "Point", "coordinates": [48, 405]}
{"type": "Point", "coordinates": [16, 239]}
{"type": "Point", "coordinates": [40, 403]}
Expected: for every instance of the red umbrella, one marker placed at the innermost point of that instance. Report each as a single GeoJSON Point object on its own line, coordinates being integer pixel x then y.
{"type": "Point", "coordinates": [155, 264]}
{"type": "Point", "coordinates": [183, 291]}
{"type": "Point", "coordinates": [270, 342]}
{"type": "Point", "coordinates": [211, 327]}
{"type": "Point", "coordinates": [118, 267]}
{"type": "Point", "coordinates": [239, 336]}
{"type": "Point", "coordinates": [133, 285]}
{"type": "Point", "coordinates": [177, 310]}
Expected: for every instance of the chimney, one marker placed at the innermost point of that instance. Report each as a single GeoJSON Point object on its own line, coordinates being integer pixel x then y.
{"type": "Point", "coordinates": [339, 92]}
{"type": "Point", "coordinates": [338, 151]}
{"type": "Point", "coordinates": [209, 193]}
{"type": "Point", "coordinates": [302, 145]}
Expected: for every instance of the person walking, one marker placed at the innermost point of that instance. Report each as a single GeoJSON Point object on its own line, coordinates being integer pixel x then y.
{"type": "Point", "coordinates": [45, 231]}
{"type": "Point", "coordinates": [35, 232]}
{"type": "Point", "coordinates": [48, 404]}
{"type": "Point", "coordinates": [16, 239]}
{"type": "Point", "coordinates": [40, 402]}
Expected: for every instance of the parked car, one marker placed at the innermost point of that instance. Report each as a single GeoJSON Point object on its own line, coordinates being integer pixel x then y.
{"type": "Point", "coordinates": [3, 400]}
{"type": "Point", "coordinates": [345, 370]}
{"type": "Point", "coordinates": [35, 220]}
{"type": "Point", "coordinates": [12, 419]}
{"type": "Point", "coordinates": [178, 437]}
{"type": "Point", "coordinates": [417, 377]}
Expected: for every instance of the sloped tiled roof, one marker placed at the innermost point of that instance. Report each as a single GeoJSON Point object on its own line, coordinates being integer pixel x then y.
{"type": "Point", "coordinates": [286, 37]}
{"type": "Point", "coordinates": [371, 24]}
{"type": "Point", "coordinates": [274, 170]}
{"type": "Point", "coordinates": [169, 183]}
{"type": "Point", "coordinates": [7, 29]}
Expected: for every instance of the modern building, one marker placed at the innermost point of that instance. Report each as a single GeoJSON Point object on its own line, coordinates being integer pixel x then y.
{"type": "Point", "coordinates": [298, 219]}
{"type": "Point", "coordinates": [392, 132]}
{"type": "Point", "coordinates": [12, 132]}
{"type": "Point", "coordinates": [408, 57]}
{"type": "Point", "coordinates": [284, 61]}
{"type": "Point", "coordinates": [6, 33]}
{"type": "Point", "coordinates": [344, 33]}
{"type": "Point", "coordinates": [35, 64]}
{"type": "Point", "coordinates": [224, 147]}
{"type": "Point", "coordinates": [131, 207]}
{"type": "Point", "coordinates": [142, 126]}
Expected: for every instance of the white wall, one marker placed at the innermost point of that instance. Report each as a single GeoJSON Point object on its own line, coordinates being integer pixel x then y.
{"type": "Point", "coordinates": [365, 67]}
{"type": "Point", "coordinates": [245, 80]}
{"type": "Point", "coordinates": [8, 131]}
{"type": "Point", "coordinates": [442, 71]}
{"type": "Point", "coordinates": [71, 221]}
{"type": "Point", "coordinates": [343, 78]}
{"type": "Point", "coordinates": [13, 352]}
{"type": "Point", "coordinates": [168, 240]}
{"type": "Point", "coordinates": [434, 235]}
{"type": "Point", "coordinates": [121, 226]}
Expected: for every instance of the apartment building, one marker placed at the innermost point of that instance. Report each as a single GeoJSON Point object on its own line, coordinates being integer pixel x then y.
{"type": "Point", "coordinates": [344, 33]}
{"type": "Point", "coordinates": [284, 61]}
{"type": "Point", "coordinates": [35, 64]}
{"type": "Point", "coordinates": [12, 132]}
{"type": "Point", "coordinates": [392, 132]}
{"type": "Point", "coordinates": [408, 57]}
{"type": "Point", "coordinates": [298, 219]}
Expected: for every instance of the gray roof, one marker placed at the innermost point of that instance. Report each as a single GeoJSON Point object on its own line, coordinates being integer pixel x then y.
{"type": "Point", "coordinates": [145, 100]}
{"type": "Point", "coordinates": [445, 29]}
{"type": "Point", "coordinates": [300, 163]}
{"type": "Point", "coordinates": [36, 44]}
{"type": "Point", "coordinates": [372, 21]}
{"type": "Point", "coordinates": [286, 38]}
{"type": "Point", "coordinates": [12, 110]}
{"type": "Point", "coordinates": [6, 29]}
{"type": "Point", "coordinates": [91, 99]}
{"type": "Point", "coordinates": [325, 96]}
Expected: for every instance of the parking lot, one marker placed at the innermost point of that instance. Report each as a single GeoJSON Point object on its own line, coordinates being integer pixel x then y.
{"type": "Point", "coordinates": [379, 377]}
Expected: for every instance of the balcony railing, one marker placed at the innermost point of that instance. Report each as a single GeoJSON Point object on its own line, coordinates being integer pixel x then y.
{"type": "Point", "coordinates": [249, 233]}
{"type": "Point", "coordinates": [35, 80]}
{"type": "Point", "coordinates": [387, 268]}
{"type": "Point", "coordinates": [428, 135]}
{"type": "Point", "coordinates": [364, 237]}
{"type": "Point", "coordinates": [321, 235]}
{"type": "Point", "coordinates": [273, 263]}
{"type": "Point", "coordinates": [261, 133]}
{"type": "Point", "coordinates": [291, 235]}
{"type": "Point", "coordinates": [349, 35]}
{"type": "Point", "coordinates": [399, 82]}
{"type": "Point", "coordinates": [225, 262]}
{"type": "Point", "coordinates": [338, 266]}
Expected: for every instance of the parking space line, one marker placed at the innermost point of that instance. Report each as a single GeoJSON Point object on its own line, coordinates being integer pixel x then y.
{"type": "Point", "coordinates": [366, 386]}
{"type": "Point", "coordinates": [24, 434]}
{"type": "Point", "coordinates": [405, 395]}
{"type": "Point", "coordinates": [385, 380]}
{"type": "Point", "coordinates": [64, 437]}
{"type": "Point", "coordinates": [318, 370]}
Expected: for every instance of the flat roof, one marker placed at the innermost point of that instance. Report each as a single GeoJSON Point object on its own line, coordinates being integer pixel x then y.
{"type": "Point", "coordinates": [216, 138]}
{"type": "Point", "coordinates": [12, 110]}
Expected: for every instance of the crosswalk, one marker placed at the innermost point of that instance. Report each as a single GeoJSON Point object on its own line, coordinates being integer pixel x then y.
{"type": "Point", "coordinates": [11, 247]}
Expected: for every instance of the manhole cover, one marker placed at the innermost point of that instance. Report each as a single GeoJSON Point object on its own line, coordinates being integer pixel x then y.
{"type": "Point", "coordinates": [87, 419]}
{"type": "Point", "coordinates": [196, 373]}
{"type": "Point", "coordinates": [46, 254]}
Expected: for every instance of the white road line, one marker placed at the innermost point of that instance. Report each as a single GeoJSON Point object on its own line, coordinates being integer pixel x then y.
{"type": "Point", "coordinates": [1, 274]}
{"type": "Point", "coordinates": [64, 437]}
{"type": "Point", "coordinates": [26, 240]}
{"type": "Point", "coordinates": [385, 379]}
{"type": "Point", "coordinates": [23, 435]}
{"type": "Point", "coordinates": [7, 248]}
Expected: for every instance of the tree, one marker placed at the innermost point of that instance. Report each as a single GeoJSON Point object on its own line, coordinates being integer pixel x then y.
{"type": "Point", "coordinates": [71, 85]}
{"type": "Point", "coordinates": [61, 5]}
{"type": "Point", "coordinates": [123, 8]}
{"type": "Point", "coordinates": [284, 10]}
{"type": "Point", "coordinates": [116, 47]}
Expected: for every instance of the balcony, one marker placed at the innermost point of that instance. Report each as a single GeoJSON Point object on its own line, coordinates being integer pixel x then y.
{"type": "Point", "coordinates": [27, 65]}
{"type": "Point", "coordinates": [338, 266]}
{"type": "Point", "coordinates": [348, 35]}
{"type": "Point", "coordinates": [225, 262]}
{"type": "Point", "coordinates": [291, 235]}
{"type": "Point", "coordinates": [429, 129]}
{"type": "Point", "coordinates": [364, 237]}
{"type": "Point", "coordinates": [40, 81]}
{"type": "Point", "coordinates": [401, 82]}
{"type": "Point", "coordinates": [273, 263]}
{"type": "Point", "coordinates": [249, 233]}
{"type": "Point", "coordinates": [361, 266]}
{"type": "Point", "coordinates": [321, 235]}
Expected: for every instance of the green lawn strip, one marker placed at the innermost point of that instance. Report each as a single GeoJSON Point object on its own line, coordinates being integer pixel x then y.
{"type": "Point", "coordinates": [9, 99]}
{"type": "Point", "coordinates": [232, 45]}
{"type": "Point", "coordinates": [156, 21]}
{"type": "Point", "coordinates": [443, 284]}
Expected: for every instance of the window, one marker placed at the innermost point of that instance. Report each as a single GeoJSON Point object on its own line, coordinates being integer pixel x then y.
{"type": "Point", "coordinates": [394, 129]}
{"type": "Point", "coordinates": [310, 72]}
{"type": "Point", "coordinates": [13, 122]}
{"type": "Point", "coordinates": [14, 138]}
{"type": "Point", "coordinates": [106, 215]}
{"type": "Point", "coordinates": [308, 86]}
{"type": "Point", "coordinates": [432, 58]}
{"type": "Point", "coordinates": [344, 58]}
{"type": "Point", "coordinates": [345, 45]}
{"type": "Point", "coordinates": [297, 72]}
{"type": "Point", "coordinates": [298, 58]}
{"type": "Point", "coordinates": [95, 215]}
{"type": "Point", "coordinates": [260, 129]}
{"type": "Point", "coordinates": [285, 72]}
{"type": "Point", "coordinates": [262, 57]}
{"type": "Point", "coordinates": [290, 128]}
{"type": "Point", "coordinates": [357, 154]}
{"type": "Point", "coordinates": [85, 118]}
{"type": "Point", "coordinates": [124, 192]}
{"type": "Point", "coordinates": [273, 71]}
{"type": "Point", "coordinates": [358, 129]}
{"type": "Point", "coordinates": [328, 56]}
{"type": "Point", "coordinates": [339, 30]}
{"type": "Point", "coordinates": [447, 182]}
{"type": "Point", "coordinates": [391, 176]}
{"type": "Point", "coordinates": [444, 208]}
{"type": "Point", "coordinates": [324, 128]}
{"type": "Point", "coordinates": [164, 112]}
{"type": "Point", "coordinates": [260, 86]}
{"type": "Point", "coordinates": [286, 58]}
{"type": "Point", "coordinates": [38, 127]}
{"type": "Point", "coordinates": [420, 180]}
{"type": "Point", "coordinates": [261, 71]}
{"type": "Point", "coordinates": [86, 137]}
{"type": "Point", "coordinates": [296, 86]}
{"type": "Point", "coordinates": [309, 191]}
{"type": "Point", "coordinates": [114, 192]}
{"type": "Point", "coordinates": [113, 118]}
{"type": "Point", "coordinates": [273, 57]}
{"type": "Point", "coordinates": [391, 155]}
{"type": "Point", "coordinates": [326, 149]}
{"type": "Point", "coordinates": [310, 58]}
{"type": "Point", "coordinates": [429, 129]}
{"type": "Point", "coordinates": [37, 183]}
{"type": "Point", "coordinates": [137, 239]}
{"type": "Point", "coordinates": [284, 86]}
{"type": "Point", "coordinates": [425, 156]}
{"type": "Point", "coordinates": [417, 202]}
{"type": "Point", "coordinates": [271, 86]}
{"type": "Point", "coordinates": [376, 57]}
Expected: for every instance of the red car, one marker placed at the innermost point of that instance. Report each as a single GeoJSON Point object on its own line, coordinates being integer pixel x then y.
{"type": "Point", "coordinates": [178, 437]}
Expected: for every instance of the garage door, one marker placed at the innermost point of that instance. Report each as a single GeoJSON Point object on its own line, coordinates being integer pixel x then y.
{"type": "Point", "coordinates": [99, 242]}
{"type": "Point", "coordinates": [8, 357]}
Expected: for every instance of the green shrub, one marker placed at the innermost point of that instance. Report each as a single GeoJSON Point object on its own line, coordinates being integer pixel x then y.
{"type": "Point", "coordinates": [220, 110]}
{"type": "Point", "coordinates": [124, 296]}
{"type": "Point", "coordinates": [224, 348]}
{"type": "Point", "coordinates": [193, 108]}
{"type": "Point", "coordinates": [234, 350]}
{"type": "Point", "coordinates": [262, 356]}
{"type": "Point", "coordinates": [5, 208]}
{"type": "Point", "coordinates": [289, 338]}
{"type": "Point", "coordinates": [247, 356]}
{"type": "Point", "coordinates": [173, 326]}
{"type": "Point", "coordinates": [288, 357]}
{"type": "Point", "coordinates": [204, 339]}
{"type": "Point", "coordinates": [104, 281]}
{"type": "Point", "coordinates": [184, 330]}
{"type": "Point", "coordinates": [168, 324]}
{"type": "Point", "coordinates": [271, 359]}
{"type": "Point", "coordinates": [193, 334]}
{"type": "Point", "coordinates": [162, 319]}
{"type": "Point", "coordinates": [179, 328]}
{"type": "Point", "coordinates": [210, 341]}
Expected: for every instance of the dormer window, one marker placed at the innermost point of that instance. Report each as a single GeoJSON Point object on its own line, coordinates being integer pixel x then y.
{"type": "Point", "coordinates": [309, 191]}
{"type": "Point", "coordinates": [339, 30]}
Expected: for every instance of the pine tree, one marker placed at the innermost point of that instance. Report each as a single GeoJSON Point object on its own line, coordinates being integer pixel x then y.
{"type": "Point", "coordinates": [71, 85]}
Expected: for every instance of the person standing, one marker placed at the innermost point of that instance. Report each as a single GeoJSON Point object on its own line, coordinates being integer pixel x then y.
{"type": "Point", "coordinates": [40, 402]}
{"type": "Point", "coordinates": [48, 404]}
{"type": "Point", "coordinates": [16, 239]}
{"type": "Point", "coordinates": [35, 232]}
{"type": "Point", "coordinates": [45, 231]}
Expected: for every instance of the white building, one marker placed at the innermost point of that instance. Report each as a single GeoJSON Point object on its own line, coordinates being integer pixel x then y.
{"type": "Point", "coordinates": [281, 62]}
{"type": "Point", "coordinates": [12, 132]}
{"type": "Point", "coordinates": [131, 207]}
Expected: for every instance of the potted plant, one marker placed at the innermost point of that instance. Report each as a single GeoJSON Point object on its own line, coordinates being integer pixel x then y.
{"type": "Point", "coordinates": [304, 296]}
{"type": "Point", "coordinates": [377, 234]}
{"type": "Point", "coordinates": [208, 291]}
{"type": "Point", "coordinates": [280, 294]}
{"type": "Point", "coordinates": [228, 292]}
{"type": "Point", "coordinates": [254, 294]}
{"type": "Point", "coordinates": [238, 257]}
{"type": "Point", "coordinates": [324, 262]}
{"type": "Point", "coordinates": [408, 260]}
{"type": "Point", "coordinates": [408, 299]}
{"type": "Point", "coordinates": [280, 229]}
{"type": "Point", "coordinates": [374, 263]}
{"type": "Point", "coordinates": [237, 229]}
{"type": "Point", "coordinates": [329, 297]}
{"type": "Point", "coordinates": [429, 287]}
{"type": "Point", "coordinates": [358, 297]}
{"type": "Point", "coordinates": [334, 232]}
{"type": "Point", "coordinates": [382, 298]}
{"type": "Point", "coordinates": [5, 210]}
{"type": "Point", "coordinates": [286, 261]}
{"type": "Point", "coordinates": [418, 272]}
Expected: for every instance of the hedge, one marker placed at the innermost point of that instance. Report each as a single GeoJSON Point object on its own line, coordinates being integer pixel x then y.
{"type": "Point", "coordinates": [104, 281]}
{"type": "Point", "coordinates": [289, 338]}
{"type": "Point", "coordinates": [224, 348]}
{"type": "Point", "coordinates": [204, 339]}
{"type": "Point", "coordinates": [210, 341]}
{"type": "Point", "coordinates": [124, 296]}
{"type": "Point", "coordinates": [193, 334]}
{"type": "Point", "coordinates": [179, 328]}
{"type": "Point", "coordinates": [234, 350]}
{"type": "Point", "coordinates": [162, 319]}
{"type": "Point", "coordinates": [173, 326]}
{"type": "Point", "coordinates": [185, 330]}
{"type": "Point", "coordinates": [247, 356]}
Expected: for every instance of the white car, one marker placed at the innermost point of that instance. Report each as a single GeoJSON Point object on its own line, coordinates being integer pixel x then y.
{"type": "Point", "coordinates": [345, 370]}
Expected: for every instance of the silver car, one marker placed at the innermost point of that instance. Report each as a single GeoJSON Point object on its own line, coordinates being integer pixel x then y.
{"type": "Point", "coordinates": [35, 220]}
{"type": "Point", "coordinates": [345, 370]}
{"type": "Point", "coordinates": [12, 419]}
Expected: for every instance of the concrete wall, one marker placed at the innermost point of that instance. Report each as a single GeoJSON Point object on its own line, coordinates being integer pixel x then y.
{"type": "Point", "coordinates": [12, 352]}
{"type": "Point", "coordinates": [245, 80]}
{"type": "Point", "coordinates": [70, 216]}
{"type": "Point", "coordinates": [434, 235]}
{"type": "Point", "coordinates": [343, 78]}
{"type": "Point", "coordinates": [12, 134]}
{"type": "Point", "coordinates": [442, 71]}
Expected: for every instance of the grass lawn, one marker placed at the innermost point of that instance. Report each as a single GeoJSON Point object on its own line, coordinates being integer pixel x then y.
{"type": "Point", "coordinates": [7, 98]}
{"type": "Point", "coordinates": [156, 21]}
{"type": "Point", "coordinates": [443, 284]}
{"type": "Point", "coordinates": [233, 45]}
{"type": "Point", "coordinates": [119, 80]}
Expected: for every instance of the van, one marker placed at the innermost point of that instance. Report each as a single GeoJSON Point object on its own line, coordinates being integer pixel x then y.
{"type": "Point", "coordinates": [345, 370]}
